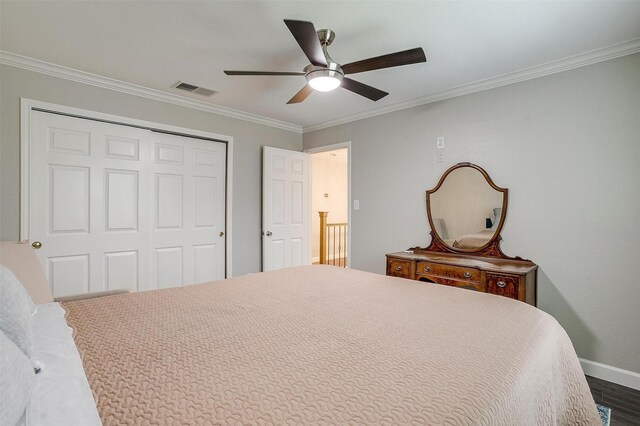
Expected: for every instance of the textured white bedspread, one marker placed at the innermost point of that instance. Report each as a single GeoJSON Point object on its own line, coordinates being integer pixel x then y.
{"type": "Point", "coordinates": [325, 345]}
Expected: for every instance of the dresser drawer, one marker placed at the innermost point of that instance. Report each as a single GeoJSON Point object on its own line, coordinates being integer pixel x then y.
{"type": "Point", "coordinates": [471, 285]}
{"type": "Point", "coordinates": [504, 285]}
{"type": "Point", "coordinates": [399, 268]}
{"type": "Point", "coordinates": [448, 271]}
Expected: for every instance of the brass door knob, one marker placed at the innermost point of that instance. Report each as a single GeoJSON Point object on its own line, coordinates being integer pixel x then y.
{"type": "Point", "coordinates": [36, 245]}
{"type": "Point", "coordinates": [221, 234]}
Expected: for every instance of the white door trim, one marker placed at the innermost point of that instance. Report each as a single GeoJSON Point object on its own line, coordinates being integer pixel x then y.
{"type": "Point", "coordinates": [26, 107]}
{"type": "Point", "coordinates": [332, 147]}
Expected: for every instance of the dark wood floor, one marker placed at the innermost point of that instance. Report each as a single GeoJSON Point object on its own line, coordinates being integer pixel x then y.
{"type": "Point", "coordinates": [624, 402]}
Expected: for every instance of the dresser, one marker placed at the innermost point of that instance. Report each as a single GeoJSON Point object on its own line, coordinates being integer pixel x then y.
{"type": "Point", "coordinates": [505, 277]}
{"type": "Point", "coordinates": [466, 212]}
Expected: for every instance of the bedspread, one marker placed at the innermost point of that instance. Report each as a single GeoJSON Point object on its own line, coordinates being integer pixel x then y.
{"type": "Point", "coordinates": [326, 345]}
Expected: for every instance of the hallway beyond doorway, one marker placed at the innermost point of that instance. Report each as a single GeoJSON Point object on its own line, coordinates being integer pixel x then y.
{"type": "Point", "coordinates": [330, 194]}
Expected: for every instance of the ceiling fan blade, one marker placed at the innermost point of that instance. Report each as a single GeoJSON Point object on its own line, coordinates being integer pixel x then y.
{"type": "Point", "coordinates": [301, 95]}
{"type": "Point", "coordinates": [406, 57]}
{"type": "Point", "coordinates": [306, 36]}
{"type": "Point", "coordinates": [363, 90]}
{"type": "Point", "coordinates": [262, 73]}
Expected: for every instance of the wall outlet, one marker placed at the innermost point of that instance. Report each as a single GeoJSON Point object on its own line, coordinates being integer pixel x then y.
{"type": "Point", "coordinates": [356, 204]}
{"type": "Point", "coordinates": [440, 142]}
{"type": "Point", "coordinates": [440, 155]}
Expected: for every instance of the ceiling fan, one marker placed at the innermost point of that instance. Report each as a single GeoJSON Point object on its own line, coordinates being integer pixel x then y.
{"type": "Point", "coordinates": [324, 74]}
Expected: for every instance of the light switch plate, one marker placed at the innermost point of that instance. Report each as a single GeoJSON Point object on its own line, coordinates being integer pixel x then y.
{"type": "Point", "coordinates": [440, 142]}
{"type": "Point", "coordinates": [356, 204]}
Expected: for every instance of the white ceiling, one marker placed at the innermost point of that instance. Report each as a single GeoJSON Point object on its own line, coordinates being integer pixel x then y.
{"type": "Point", "coordinates": [154, 44]}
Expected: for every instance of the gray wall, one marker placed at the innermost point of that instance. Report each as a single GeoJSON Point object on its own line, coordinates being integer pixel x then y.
{"type": "Point", "coordinates": [247, 156]}
{"type": "Point", "coordinates": [568, 148]}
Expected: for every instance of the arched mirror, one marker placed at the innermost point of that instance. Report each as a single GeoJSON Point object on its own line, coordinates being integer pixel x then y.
{"type": "Point", "coordinates": [466, 210]}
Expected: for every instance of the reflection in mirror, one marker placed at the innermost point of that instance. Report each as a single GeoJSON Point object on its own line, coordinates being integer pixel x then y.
{"type": "Point", "coordinates": [466, 210]}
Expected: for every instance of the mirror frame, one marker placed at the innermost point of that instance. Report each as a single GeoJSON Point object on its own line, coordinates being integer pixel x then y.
{"type": "Point", "coordinates": [490, 248]}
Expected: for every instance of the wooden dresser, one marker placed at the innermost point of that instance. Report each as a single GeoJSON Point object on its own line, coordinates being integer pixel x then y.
{"type": "Point", "coordinates": [506, 277]}
{"type": "Point", "coordinates": [466, 213]}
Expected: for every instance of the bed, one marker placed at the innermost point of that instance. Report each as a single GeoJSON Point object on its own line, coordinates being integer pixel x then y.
{"type": "Point", "coordinates": [326, 345]}
{"type": "Point", "coordinates": [474, 240]}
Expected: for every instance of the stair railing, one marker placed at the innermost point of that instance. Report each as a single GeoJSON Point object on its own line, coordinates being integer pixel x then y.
{"type": "Point", "coordinates": [333, 242]}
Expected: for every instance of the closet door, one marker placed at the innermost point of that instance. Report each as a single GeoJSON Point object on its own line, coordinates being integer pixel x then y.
{"type": "Point", "coordinates": [187, 210]}
{"type": "Point", "coordinates": [115, 206]}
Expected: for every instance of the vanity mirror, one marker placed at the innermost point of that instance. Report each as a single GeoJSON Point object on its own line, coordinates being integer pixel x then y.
{"type": "Point", "coordinates": [466, 210]}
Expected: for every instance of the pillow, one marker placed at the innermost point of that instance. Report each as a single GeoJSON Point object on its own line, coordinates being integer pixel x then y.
{"type": "Point", "coordinates": [16, 308]}
{"type": "Point", "coordinates": [497, 212]}
{"type": "Point", "coordinates": [441, 228]}
{"type": "Point", "coordinates": [22, 260]}
{"type": "Point", "coordinates": [16, 382]}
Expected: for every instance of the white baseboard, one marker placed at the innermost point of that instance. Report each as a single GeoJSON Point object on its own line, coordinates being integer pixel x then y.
{"type": "Point", "coordinates": [606, 372]}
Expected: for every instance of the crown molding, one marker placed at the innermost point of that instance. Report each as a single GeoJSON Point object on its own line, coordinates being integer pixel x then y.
{"type": "Point", "coordinates": [30, 64]}
{"type": "Point", "coordinates": [583, 59]}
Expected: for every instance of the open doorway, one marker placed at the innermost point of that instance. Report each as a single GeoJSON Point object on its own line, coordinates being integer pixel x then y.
{"type": "Point", "coordinates": [330, 200]}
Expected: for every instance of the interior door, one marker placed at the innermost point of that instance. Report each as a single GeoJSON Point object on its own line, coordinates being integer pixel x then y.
{"type": "Point", "coordinates": [121, 207]}
{"type": "Point", "coordinates": [286, 209]}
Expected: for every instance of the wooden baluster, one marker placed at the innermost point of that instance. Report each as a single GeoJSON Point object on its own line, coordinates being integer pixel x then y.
{"type": "Point", "coordinates": [340, 245]}
{"type": "Point", "coordinates": [346, 253]}
{"type": "Point", "coordinates": [323, 237]}
{"type": "Point", "coordinates": [328, 244]}
{"type": "Point", "coordinates": [334, 246]}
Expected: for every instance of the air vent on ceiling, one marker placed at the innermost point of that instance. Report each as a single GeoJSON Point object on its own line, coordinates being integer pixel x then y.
{"type": "Point", "coordinates": [194, 89]}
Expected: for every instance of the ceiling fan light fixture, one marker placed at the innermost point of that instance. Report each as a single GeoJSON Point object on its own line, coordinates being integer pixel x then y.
{"type": "Point", "coordinates": [324, 80]}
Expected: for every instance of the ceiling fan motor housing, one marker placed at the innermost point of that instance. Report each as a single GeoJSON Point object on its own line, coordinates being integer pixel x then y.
{"type": "Point", "coordinates": [332, 70]}
{"type": "Point", "coordinates": [326, 36]}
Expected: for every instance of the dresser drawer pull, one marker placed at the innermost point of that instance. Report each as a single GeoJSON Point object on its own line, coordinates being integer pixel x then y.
{"type": "Point", "coordinates": [467, 275]}
{"type": "Point", "coordinates": [501, 284]}
{"type": "Point", "coordinates": [427, 269]}
{"type": "Point", "coordinates": [398, 268]}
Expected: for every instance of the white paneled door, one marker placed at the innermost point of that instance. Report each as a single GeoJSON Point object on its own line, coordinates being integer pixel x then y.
{"type": "Point", "coordinates": [120, 207]}
{"type": "Point", "coordinates": [286, 209]}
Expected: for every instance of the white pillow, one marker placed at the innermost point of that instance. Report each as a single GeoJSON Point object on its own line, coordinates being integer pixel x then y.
{"type": "Point", "coordinates": [441, 228]}
{"type": "Point", "coordinates": [21, 259]}
{"type": "Point", "coordinates": [16, 382]}
{"type": "Point", "coordinates": [16, 308]}
{"type": "Point", "coordinates": [497, 213]}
